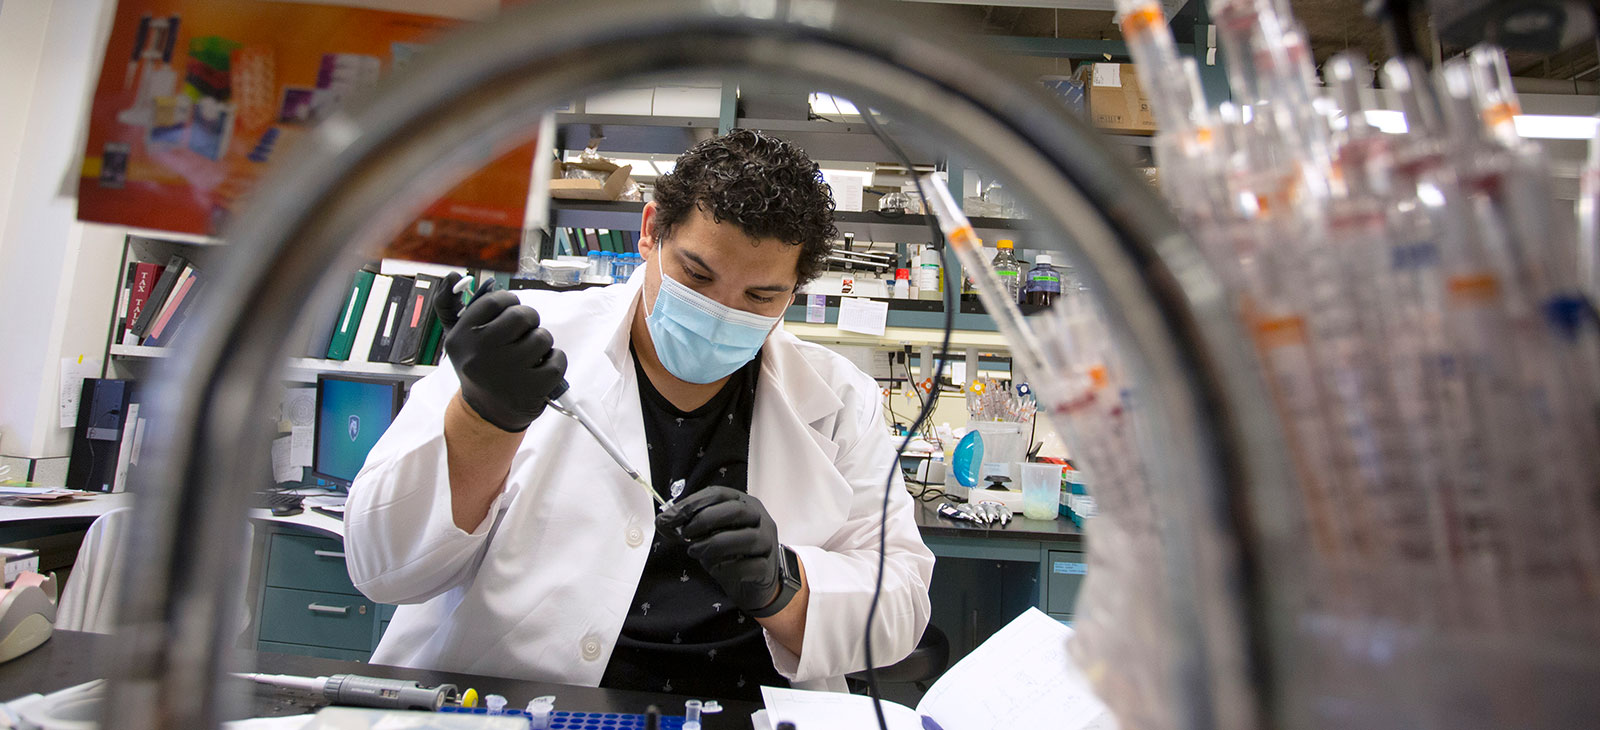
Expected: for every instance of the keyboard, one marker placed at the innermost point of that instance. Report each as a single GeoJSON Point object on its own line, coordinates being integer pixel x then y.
{"type": "Point", "coordinates": [271, 500]}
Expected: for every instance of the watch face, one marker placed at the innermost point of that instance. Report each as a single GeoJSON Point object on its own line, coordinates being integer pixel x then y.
{"type": "Point", "coordinates": [791, 567]}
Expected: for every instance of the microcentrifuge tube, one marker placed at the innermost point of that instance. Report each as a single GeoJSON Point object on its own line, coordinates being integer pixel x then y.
{"type": "Point", "coordinates": [691, 715]}
{"type": "Point", "coordinates": [496, 704]}
{"type": "Point", "coordinates": [540, 710]}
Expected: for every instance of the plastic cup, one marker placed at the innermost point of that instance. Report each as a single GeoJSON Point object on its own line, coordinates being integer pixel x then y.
{"type": "Point", "coordinates": [1041, 490]}
{"type": "Point", "coordinates": [1004, 444]}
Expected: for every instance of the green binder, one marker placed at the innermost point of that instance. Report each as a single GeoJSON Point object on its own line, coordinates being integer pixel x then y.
{"type": "Point", "coordinates": [430, 345]}
{"type": "Point", "coordinates": [355, 301]}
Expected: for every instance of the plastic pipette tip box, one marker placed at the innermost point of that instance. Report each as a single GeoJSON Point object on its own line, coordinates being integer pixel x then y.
{"type": "Point", "coordinates": [582, 720]}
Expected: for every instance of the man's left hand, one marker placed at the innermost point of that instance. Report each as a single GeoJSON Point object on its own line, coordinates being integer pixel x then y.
{"type": "Point", "coordinates": [732, 535]}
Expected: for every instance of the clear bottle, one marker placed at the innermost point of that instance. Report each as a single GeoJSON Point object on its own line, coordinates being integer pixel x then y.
{"type": "Point", "coordinates": [930, 283]}
{"type": "Point", "coordinates": [1044, 283]}
{"type": "Point", "coordinates": [1006, 267]}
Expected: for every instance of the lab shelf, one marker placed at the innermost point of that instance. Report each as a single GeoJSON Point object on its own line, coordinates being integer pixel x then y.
{"type": "Point", "coordinates": [305, 369]}
{"type": "Point", "coordinates": [140, 352]}
{"type": "Point", "coordinates": [298, 369]}
{"type": "Point", "coordinates": [636, 134]}
{"type": "Point", "coordinates": [867, 225]}
{"type": "Point", "coordinates": [896, 337]}
{"type": "Point", "coordinates": [910, 322]}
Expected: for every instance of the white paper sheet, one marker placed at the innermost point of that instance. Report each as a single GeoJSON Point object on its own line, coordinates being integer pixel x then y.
{"type": "Point", "coordinates": [138, 441]}
{"type": "Point", "coordinates": [834, 710]}
{"type": "Point", "coordinates": [847, 189]}
{"type": "Point", "coordinates": [867, 316]}
{"type": "Point", "coordinates": [1022, 677]}
{"type": "Point", "coordinates": [299, 406]}
{"type": "Point", "coordinates": [73, 372]}
{"type": "Point", "coordinates": [1107, 74]}
{"type": "Point", "coordinates": [958, 373]}
{"type": "Point", "coordinates": [300, 445]}
{"type": "Point", "coordinates": [282, 469]}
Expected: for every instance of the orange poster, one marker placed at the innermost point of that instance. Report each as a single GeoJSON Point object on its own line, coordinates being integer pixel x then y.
{"type": "Point", "coordinates": [196, 97]}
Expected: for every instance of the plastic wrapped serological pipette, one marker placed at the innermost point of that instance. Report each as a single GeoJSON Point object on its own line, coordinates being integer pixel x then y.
{"type": "Point", "coordinates": [1123, 610]}
{"type": "Point", "coordinates": [1423, 313]}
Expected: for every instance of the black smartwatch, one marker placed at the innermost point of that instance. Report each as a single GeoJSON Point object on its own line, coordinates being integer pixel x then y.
{"type": "Point", "coordinates": [788, 584]}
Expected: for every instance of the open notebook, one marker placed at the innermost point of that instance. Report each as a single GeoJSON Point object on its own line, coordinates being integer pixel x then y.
{"type": "Point", "coordinates": [1021, 677]}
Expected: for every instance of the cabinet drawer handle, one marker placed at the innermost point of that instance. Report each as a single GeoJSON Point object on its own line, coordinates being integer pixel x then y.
{"type": "Point", "coordinates": [327, 554]}
{"type": "Point", "coordinates": [336, 610]}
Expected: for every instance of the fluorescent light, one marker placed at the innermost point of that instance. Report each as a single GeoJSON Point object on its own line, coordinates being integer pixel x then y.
{"type": "Point", "coordinates": [1554, 126]}
{"type": "Point", "coordinates": [829, 105]}
{"type": "Point", "coordinates": [1530, 126]}
{"type": "Point", "coordinates": [1389, 121]}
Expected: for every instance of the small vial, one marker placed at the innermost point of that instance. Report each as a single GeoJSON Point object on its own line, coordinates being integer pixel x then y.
{"type": "Point", "coordinates": [691, 714]}
{"type": "Point", "coordinates": [540, 710]}
{"type": "Point", "coordinates": [496, 704]}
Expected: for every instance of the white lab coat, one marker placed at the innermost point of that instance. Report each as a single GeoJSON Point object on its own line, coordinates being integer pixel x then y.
{"type": "Point", "coordinates": [539, 591]}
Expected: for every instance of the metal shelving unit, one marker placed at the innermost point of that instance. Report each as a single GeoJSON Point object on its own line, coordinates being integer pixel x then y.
{"type": "Point", "coordinates": [867, 225]}
{"type": "Point", "coordinates": [844, 139]}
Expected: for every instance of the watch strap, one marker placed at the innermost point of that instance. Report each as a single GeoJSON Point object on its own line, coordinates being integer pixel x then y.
{"type": "Point", "coordinates": [788, 585]}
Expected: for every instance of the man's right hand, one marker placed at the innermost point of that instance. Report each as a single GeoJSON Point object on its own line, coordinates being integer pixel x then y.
{"type": "Point", "coordinates": [507, 364]}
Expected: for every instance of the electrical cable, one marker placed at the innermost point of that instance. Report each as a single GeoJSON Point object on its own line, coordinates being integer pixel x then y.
{"type": "Point", "coordinates": [1399, 27]}
{"type": "Point", "coordinates": [939, 243]}
{"type": "Point", "coordinates": [912, 384]}
{"type": "Point", "coordinates": [893, 417]}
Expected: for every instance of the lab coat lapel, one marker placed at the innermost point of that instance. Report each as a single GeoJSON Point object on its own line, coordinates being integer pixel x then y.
{"type": "Point", "coordinates": [792, 467]}
{"type": "Point", "coordinates": [616, 383]}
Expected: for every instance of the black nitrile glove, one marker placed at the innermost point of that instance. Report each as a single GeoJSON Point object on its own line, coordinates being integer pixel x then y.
{"type": "Point", "coordinates": [732, 535]}
{"type": "Point", "coordinates": [508, 366]}
{"type": "Point", "coordinates": [447, 303]}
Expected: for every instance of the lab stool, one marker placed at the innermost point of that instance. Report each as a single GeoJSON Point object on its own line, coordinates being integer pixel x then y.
{"type": "Point", "coordinates": [923, 665]}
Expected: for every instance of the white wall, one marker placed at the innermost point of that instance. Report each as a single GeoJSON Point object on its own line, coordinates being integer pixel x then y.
{"type": "Point", "coordinates": [56, 276]}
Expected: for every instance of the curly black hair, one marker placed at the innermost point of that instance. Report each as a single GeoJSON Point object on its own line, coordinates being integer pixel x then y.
{"type": "Point", "coordinates": [767, 187]}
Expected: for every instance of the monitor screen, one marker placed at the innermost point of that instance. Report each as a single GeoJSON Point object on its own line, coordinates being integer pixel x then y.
{"type": "Point", "coordinates": [352, 412]}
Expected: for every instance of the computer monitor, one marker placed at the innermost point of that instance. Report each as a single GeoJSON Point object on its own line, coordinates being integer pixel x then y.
{"type": "Point", "coordinates": [352, 412]}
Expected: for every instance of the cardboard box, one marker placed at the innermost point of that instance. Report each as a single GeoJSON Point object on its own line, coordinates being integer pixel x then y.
{"type": "Point", "coordinates": [584, 188]}
{"type": "Point", "coordinates": [1116, 101]}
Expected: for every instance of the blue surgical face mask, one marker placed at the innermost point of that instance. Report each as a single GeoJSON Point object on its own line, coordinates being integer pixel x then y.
{"type": "Point", "coordinates": [698, 339]}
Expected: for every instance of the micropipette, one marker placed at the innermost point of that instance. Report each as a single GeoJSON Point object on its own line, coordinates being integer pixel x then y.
{"type": "Point", "coordinates": [358, 691]}
{"type": "Point", "coordinates": [560, 403]}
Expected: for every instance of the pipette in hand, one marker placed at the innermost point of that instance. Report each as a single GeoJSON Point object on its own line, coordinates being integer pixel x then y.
{"type": "Point", "coordinates": [560, 400]}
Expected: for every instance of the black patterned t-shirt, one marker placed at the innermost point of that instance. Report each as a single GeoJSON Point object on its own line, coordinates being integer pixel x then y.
{"type": "Point", "coordinates": [682, 634]}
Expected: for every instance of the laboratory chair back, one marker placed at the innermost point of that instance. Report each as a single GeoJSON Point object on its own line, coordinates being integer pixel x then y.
{"type": "Point", "coordinates": [94, 588]}
{"type": "Point", "coordinates": [89, 601]}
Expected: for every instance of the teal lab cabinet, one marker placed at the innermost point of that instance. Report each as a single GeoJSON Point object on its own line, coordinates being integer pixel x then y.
{"type": "Point", "coordinates": [307, 604]}
{"type": "Point", "coordinates": [1063, 576]}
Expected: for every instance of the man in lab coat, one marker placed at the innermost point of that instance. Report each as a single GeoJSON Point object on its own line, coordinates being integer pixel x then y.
{"type": "Point", "coordinates": [517, 548]}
